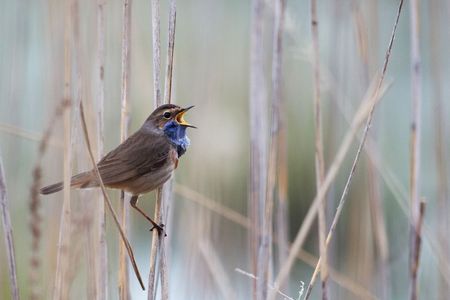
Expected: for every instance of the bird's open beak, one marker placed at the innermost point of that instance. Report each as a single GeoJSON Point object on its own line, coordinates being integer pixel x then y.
{"type": "Point", "coordinates": [179, 117]}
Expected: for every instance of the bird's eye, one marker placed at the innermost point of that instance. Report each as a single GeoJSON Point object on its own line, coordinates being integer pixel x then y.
{"type": "Point", "coordinates": [166, 115]}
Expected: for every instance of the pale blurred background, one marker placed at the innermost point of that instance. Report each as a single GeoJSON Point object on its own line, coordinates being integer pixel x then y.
{"type": "Point", "coordinates": [212, 72]}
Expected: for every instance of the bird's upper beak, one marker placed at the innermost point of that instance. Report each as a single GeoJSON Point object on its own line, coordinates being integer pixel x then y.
{"type": "Point", "coordinates": [179, 117]}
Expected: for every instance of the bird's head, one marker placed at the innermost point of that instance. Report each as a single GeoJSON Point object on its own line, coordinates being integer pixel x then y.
{"type": "Point", "coordinates": [169, 119]}
{"type": "Point", "coordinates": [169, 115]}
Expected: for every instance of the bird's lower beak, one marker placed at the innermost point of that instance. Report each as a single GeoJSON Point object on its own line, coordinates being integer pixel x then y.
{"type": "Point", "coordinates": [180, 119]}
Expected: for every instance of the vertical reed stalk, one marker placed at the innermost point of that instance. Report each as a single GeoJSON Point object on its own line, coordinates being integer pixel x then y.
{"type": "Point", "coordinates": [8, 234]}
{"type": "Point", "coordinates": [416, 99]}
{"type": "Point", "coordinates": [170, 52]}
{"type": "Point", "coordinates": [416, 249]}
{"type": "Point", "coordinates": [162, 212]}
{"type": "Point", "coordinates": [62, 258]}
{"type": "Point", "coordinates": [367, 51]}
{"type": "Point", "coordinates": [440, 125]}
{"type": "Point", "coordinates": [88, 210]}
{"type": "Point", "coordinates": [265, 250]}
{"type": "Point", "coordinates": [102, 263]}
{"type": "Point", "coordinates": [163, 193]}
{"type": "Point", "coordinates": [319, 157]}
{"type": "Point", "coordinates": [258, 136]}
{"type": "Point", "coordinates": [379, 227]}
{"type": "Point", "coordinates": [282, 227]}
{"type": "Point", "coordinates": [366, 111]}
{"type": "Point", "coordinates": [156, 43]}
{"type": "Point", "coordinates": [124, 289]}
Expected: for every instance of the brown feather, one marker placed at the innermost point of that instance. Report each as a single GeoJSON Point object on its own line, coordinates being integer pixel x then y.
{"type": "Point", "coordinates": [144, 154]}
{"type": "Point", "coordinates": [140, 164]}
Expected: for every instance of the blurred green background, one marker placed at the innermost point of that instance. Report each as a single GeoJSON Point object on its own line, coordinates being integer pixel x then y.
{"type": "Point", "coordinates": [212, 72]}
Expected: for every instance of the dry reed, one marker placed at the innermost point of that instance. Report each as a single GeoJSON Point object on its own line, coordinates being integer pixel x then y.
{"type": "Point", "coordinates": [258, 142]}
{"type": "Point", "coordinates": [101, 247]}
{"type": "Point", "coordinates": [8, 234]}
{"type": "Point", "coordinates": [60, 285]}
{"type": "Point", "coordinates": [416, 127]}
{"type": "Point", "coordinates": [361, 144]}
{"type": "Point", "coordinates": [436, 68]}
{"type": "Point", "coordinates": [124, 289]}
{"type": "Point", "coordinates": [170, 51]}
{"type": "Point", "coordinates": [107, 200]}
{"type": "Point", "coordinates": [282, 219]}
{"type": "Point", "coordinates": [357, 121]}
{"type": "Point", "coordinates": [282, 195]}
{"type": "Point", "coordinates": [194, 196]}
{"type": "Point", "coordinates": [265, 248]}
{"type": "Point", "coordinates": [367, 45]}
{"type": "Point", "coordinates": [156, 42]}
{"type": "Point", "coordinates": [366, 111]}
{"type": "Point", "coordinates": [416, 250]}
{"type": "Point", "coordinates": [383, 179]}
{"type": "Point", "coordinates": [379, 226]}
{"type": "Point", "coordinates": [83, 212]}
{"type": "Point", "coordinates": [319, 157]}
{"type": "Point", "coordinates": [158, 248]}
{"type": "Point", "coordinates": [401, 196]}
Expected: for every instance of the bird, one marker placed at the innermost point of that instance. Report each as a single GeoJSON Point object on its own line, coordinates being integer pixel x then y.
{"type": "Point", "coordinates": [144, 161]}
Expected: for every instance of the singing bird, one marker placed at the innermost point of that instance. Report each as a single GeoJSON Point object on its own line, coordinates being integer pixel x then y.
{"type": "Point", "coordinates": [144, 161]}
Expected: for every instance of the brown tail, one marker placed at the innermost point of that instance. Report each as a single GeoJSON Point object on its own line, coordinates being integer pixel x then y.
{"type": "Point", "coordinates": [82, 180]}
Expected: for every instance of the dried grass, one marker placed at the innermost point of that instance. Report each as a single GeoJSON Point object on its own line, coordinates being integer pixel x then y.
{"type": "Point", "coordinates": [258, 143]}
{"type": "Point", "coordinates": [158, 248]}
{"type": "Point", "coordinates": [319, 156]}
{"type": "Point", "coordinates": [108, 201]}
{"type": "Point", "coordinates": [8, 234]}
{"type": "Point", "coordinates": [124, 289]}
{"type": "Point", "coordinates": [62, 259]}
{"type": "Point", "coordinates": [366, 111]}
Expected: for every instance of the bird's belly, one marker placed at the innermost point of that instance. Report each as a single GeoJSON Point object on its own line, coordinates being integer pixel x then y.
{"type": "Point", "coordinates": [149, 181]}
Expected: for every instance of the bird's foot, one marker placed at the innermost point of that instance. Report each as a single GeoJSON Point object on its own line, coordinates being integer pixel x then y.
{"type": "Point", "coordinates": [159, 228]}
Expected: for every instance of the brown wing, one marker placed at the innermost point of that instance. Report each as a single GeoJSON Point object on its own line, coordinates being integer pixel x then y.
{"type": "Point", "coordinates": [141, 153]}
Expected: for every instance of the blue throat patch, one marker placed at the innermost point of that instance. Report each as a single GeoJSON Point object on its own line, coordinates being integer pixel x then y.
{"type": "Point", "coordinates": [177, 136]}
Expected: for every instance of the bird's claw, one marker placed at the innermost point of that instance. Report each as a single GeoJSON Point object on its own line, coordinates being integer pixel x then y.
{"type": "Point", "coordinates": [159, 228]}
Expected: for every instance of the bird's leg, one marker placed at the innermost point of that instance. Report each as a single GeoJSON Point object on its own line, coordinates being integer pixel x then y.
{"type": "Point", "coordinates": [133, 202]}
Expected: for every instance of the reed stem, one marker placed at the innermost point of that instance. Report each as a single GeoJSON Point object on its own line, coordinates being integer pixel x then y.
{"type": "Point", "coordinates": [436, 31]}
{"type": "Point", "coordinates": [8, 234]}
{"type": "Point", "coordinates": [319, 157]}
{"type": "Point", "coordinates": [366, 111]}
{"type": "Point", "coordinates": [376, 95]}
{"type": "Point", "coordinates": [124, 288]}
{"type": "Point", "coordinates": [258, 142]}
{"type": "Point", "coordinates": [158, 248]}
{"type": "Point", "coordinates": [62, 258]}
{"type": "Point", "coordinates": [265, 247]}
{"type": "Point", "coordinates": [101, 248]}
{"type": "Point", "coordinates": [416, 126]}
{"type": "Point", "coordinates": [108, 201]}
